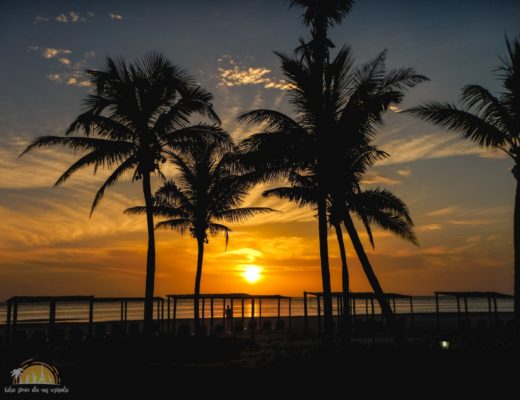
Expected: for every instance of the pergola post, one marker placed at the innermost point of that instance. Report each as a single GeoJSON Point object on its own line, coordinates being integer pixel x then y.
{"type": "Point", "coordinates": [437, 310]}
{"type": "Point", "coordinates": [91, 317]}
{"type": "Point", "coordinates": [211, 315]}
{"type": "Point", "coordinates": [122, 312]}
{"type": "Point", "coordinates": [466, 308]}
{"type": "Point", "coordinates": [372, 307]}
{"type": "Point", "coordinates": [203, 308]}
{"type": "Point", "coordinates": [490, 314]}
{"type": "Point", "coordinates": [15, 318]}
{"type": "Point", "coordinates": [278, 308]}
{"type": "Point", "coordinates": [305, 322]}
{"type": "Point", "coordinates": [458, 310]}
{"type": "Point", "coordinates": [232, 317]}
{"type": "Point", "coordinates": [8, 322]}
{"type": "Point", "coordinates": [366, 307]}
{"type": "Point", "coordinates": [260, 313]}
{"type": "Point", "coordinates": [161, 324]}
{"type": "Point", "coordinates": [290, 314]}
{"type": "Point", "coordinates": [224, 311]}
{"type": "Point", "coordinates": [252, 318]}
{"type": "Point", "coordinates": [168, 322]}
{"type": "Point", "coordinates": [411, 312]}
{"type": "Point", "coordinates": [319, 312]}
{"type": "Point", "coordinates": [243, 310]}
{"type": "Point", "coordinates": [52, 317]}
{"type": "Point", "coordinates": [393, 303]}
{"type": "Point", "coordinates": [496, 308]}
{"type": "Point", "coordinates": [174, 315]}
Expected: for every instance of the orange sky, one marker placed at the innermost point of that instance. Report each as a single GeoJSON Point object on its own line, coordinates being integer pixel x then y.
{"type": "Point", "coordinates": [460, 196]}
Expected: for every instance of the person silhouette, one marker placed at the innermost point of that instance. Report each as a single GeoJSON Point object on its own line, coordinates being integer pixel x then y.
{"type": "Point", "coordinates": [229, 318]}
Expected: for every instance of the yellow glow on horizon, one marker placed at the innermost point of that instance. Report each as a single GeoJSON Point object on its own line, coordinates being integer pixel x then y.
{"type": "Point", "coordinates": [252, 273]}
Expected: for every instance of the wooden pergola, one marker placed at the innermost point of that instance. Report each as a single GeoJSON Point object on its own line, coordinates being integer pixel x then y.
{"type": "Point", "coordinates": [172, 300]}
{"type": "Point", "coordinates": [464, 296]}
{"type": "Point", "coordinates": [14, 302]}
{"type": "Point", "coordinates": [367, 297]}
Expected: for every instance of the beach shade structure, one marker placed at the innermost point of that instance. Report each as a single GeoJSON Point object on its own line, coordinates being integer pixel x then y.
{"type": "Point", "coordinates": [12, 320]}
{"type": "Point", "coordinates": [157, 301]}
{"type": "Point", "coordinates": [337, 297]}
{"type": "Point", "coordinates": [463, 297]}
{"type": "Point", "coordinates": [226, 299]}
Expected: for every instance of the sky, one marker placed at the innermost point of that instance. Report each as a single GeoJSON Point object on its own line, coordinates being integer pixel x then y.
{"type": "Point", "coordinates": [460, 196]}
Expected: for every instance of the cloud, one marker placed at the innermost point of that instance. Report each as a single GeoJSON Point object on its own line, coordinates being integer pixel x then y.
{"type": "Point", "coordinates": [405, 172]}
{"type": "Point", "coordinates": [442, 212]}
{"type": "Point", "coordinates": [117, 17]}
{"type": "Point", "coordinates": [429, 228]}
{"type": "Point", "coordinates": [373, 177]}
{"type": "Point", "coordinates": [40, 18]}
{"type": "Point", "coordinates": [232, 73]}
{"type": "Point", "coordinates": [50, 52]}
{"type": "Point", "coordinates": [73, 73]}
{"type": "Point", "coordinates": [71, 16]}
{"type": "Point", "coordinates": [429, 146]}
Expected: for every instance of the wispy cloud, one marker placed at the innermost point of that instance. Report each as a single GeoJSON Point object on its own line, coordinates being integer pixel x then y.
{"type": "Point", "coordinates": [405, 172]}
{"type": "Point", "coordinates": [49, 52]}
{"type": "Point", "coordinates": [428, 146]}
{"type": "Point", "coordinates": [117, 17]}
{"type": "Point", "coordinates": [71, 16]}
{"type": "Point", "coordinates": [71, 72]}
{"type": "Point", "coordinates": [40, 18]}
{"type": "Point", "coordinates": [374, 177]}
{"type": "Point", "coordinates": [232, 73]}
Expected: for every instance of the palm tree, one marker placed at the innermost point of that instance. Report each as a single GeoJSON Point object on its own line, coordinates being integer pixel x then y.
{"type": "Point", "coordinates": [206, 192]}
{"type": "Point", "coordinates": [355, 102]}
{"type": "Point", "coordinates": [491, 122]}
{"type": "Point", "coordinates": [136, 113]}
{"type": "Point", "coordinates": [374, 207]}
{"type": "Point", "coordinates": [319, 16]}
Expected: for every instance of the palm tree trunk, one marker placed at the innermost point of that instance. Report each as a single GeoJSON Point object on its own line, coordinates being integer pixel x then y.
{"type": "Point", "coordinates": [372, 279]}
{"type": "Point", "coordinates": [198, 276]}
{"type": "Point", "coordinates": [328, 324]}
{"type": "Point", "coordinates": [345, 323]}
{"type": "Point", "coordinates": [150, 258]}
{"type": "Point", "coordinates": [516, 233]}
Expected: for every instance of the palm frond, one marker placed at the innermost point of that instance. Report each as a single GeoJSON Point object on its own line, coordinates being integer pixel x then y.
{"type": "Point", "coordinates": [466, 124]}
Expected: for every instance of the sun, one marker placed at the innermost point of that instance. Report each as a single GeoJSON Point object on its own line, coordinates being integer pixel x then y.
{"type": "Point", "coordinates": [252, 273]}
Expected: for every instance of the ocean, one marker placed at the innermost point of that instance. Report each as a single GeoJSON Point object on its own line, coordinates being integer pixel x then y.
{"type": "Point", "coordinates": [78, 312]}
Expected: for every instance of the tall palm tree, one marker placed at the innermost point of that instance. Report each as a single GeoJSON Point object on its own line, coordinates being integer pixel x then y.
{"type": "Point", "coordinates": [356, 99]}
{"type": "Point", "coordinates": [207, 191]}
{"type": "Point", "coordinates": [377, 206]}
{"type": "Point", "coordinates": [492, 122]}
{"type": "Point", "coordinates": [136, 113]}
{"type": "Point", "coordinates": [319, 16]}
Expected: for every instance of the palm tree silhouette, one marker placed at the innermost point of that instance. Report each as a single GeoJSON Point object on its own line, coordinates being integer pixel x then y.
{"type": "Point", "coordinates": [136, 113]}
{"type": "Point", "coordinates": [207, 191]}
{"type": "Point", "coordinates": [355, 100]}
{"type": "Point", "coordinates": [491, 122]}
{"type": "Point", "coordinates": [319, 16]}
{"type": "Point", "coordinates": [376, 206]}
